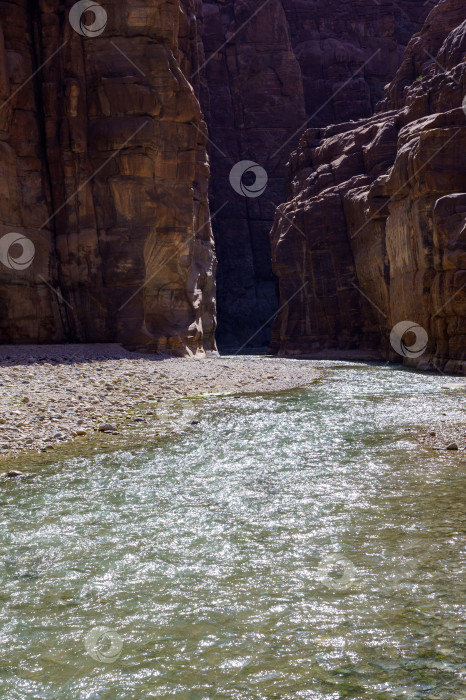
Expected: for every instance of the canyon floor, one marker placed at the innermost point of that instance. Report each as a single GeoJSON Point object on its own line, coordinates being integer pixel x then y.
{"type": "Point", "coordinates": [50, 395]}
{"type": "Point", "coordinates": [53, 395]}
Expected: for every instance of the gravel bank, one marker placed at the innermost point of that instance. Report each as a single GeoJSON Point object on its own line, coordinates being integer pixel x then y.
{"type": "Point", "coordinates": [54, 394]}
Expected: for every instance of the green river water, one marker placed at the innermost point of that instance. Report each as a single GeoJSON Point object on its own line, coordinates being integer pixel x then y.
{"type": "Point", "coordinates": [291, 545]}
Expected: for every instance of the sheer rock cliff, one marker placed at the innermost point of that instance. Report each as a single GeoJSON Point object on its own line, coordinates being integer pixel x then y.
{"type": "Point", "coordinates": [296, 63]}
{"type": "Point", "coordinates": [105, 161]}
{"type": "Point", "coordinates": [373, 232]}
{"type": "Point", "coordinates": [103, 169]}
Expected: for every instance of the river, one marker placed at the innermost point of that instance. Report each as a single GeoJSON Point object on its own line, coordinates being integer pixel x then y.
{"type": "Point", "coordinates": [302, 544]}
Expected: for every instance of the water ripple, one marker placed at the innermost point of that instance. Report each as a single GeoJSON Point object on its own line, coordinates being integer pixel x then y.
{"type": "Point", "coordinates": [297, 545]}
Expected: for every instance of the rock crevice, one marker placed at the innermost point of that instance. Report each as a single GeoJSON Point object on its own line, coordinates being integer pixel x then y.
{"type": "Point", "coordinates": [297, 63]}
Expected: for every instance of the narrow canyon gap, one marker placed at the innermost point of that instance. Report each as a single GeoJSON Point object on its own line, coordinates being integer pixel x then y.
{"type": "Point", "coordinates": [297, 63]}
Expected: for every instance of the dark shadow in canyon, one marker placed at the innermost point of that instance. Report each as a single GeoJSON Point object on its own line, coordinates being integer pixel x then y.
{"type": "Point", "coordinates": [295, 64]}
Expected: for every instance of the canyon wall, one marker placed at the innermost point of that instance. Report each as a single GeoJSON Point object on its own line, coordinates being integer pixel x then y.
{"type": "Point", "coordinates": [104, 216]}
{"type": "Point", "coordinates": [373, 232]}
{"type": "Point", "coordinates": [272, 69]}
{"type": "Point", "coordinates": [104, 173]}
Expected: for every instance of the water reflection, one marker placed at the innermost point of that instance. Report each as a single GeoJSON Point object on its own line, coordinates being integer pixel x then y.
{"type": "Point", "coordinates": [296, 545]}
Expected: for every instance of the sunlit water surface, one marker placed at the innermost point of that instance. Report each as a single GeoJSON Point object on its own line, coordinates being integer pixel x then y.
{"type": "Point", "coordinates": [295, 545]}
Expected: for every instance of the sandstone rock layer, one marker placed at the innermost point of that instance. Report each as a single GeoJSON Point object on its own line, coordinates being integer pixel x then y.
{"type": "Point", "coordinates": [374, 229]}
{"type": "Point", "coordinates": [272, 68]}
{"type": "Point", "coordinates": [103, 167]}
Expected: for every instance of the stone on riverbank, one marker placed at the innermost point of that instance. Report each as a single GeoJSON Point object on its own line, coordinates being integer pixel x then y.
{"type": "Point", "coordinates": [88, 386]}
{"type": "Point", "coordinates": [107, 428]}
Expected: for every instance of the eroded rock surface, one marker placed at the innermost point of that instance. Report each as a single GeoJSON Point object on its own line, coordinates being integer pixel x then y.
{"type": "Point", "coordinates": [103, 167]}
{"type": "Point", "coordinates": [374, 230]}
{"type": "Point", "coordinates": [295, 63]}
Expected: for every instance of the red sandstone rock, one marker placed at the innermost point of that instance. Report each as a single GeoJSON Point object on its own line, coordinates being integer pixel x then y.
{"type": "Point", "coordinates": [297, 60]}
{"type": "Point", "coordinates": [374, 226]}
{"type": "Point", "coordinates": [109, 135]}
{"type": "Point", "coordinates": [133, 224]}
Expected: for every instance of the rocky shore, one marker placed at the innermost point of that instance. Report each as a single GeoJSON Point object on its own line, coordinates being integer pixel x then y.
{"type": "Point", "coordinates": [55, 394]}
{"type": "Point", "coordinates": [52, 395]}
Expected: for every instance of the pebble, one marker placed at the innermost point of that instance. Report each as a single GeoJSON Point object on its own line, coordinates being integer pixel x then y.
{"type": "Point", "coordinates": [452, 446]}
{"type": "Point", "coordinates": [68, 391]}
{"type": "Point", "coordinates": [107, 428]}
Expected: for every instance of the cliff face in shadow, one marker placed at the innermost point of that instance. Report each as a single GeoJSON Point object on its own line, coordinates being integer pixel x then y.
{"type": "Point", "coordinates": [104, 216]}
{"type": "Point", "coordinates": [296, 63]}
{"type": "Point", "coordinates": [374, 230]}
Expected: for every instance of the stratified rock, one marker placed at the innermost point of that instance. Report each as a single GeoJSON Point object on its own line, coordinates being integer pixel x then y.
{"type": "Point", "coordinates": [273, 68]}
{"type": "Point", "coordinates": [103, 167]}
{"type": "Point", "coordinates": [374, 230]}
